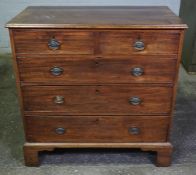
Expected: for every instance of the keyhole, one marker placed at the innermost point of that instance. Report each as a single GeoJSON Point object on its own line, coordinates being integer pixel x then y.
{"type": "Point", "coordinates": [139, 38]}
{"type": "Point", "coordinates": [96, 62]}
{"type": "Point", "coordinates": [97, 91]}
{"type": "Point", "coordinates": [97, 121]}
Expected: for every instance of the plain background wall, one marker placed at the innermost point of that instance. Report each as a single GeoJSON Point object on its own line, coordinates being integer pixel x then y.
{"type": "Point", "coordinates": [10, 8]}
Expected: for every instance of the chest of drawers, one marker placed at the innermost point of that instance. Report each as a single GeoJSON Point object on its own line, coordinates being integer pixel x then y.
{"type": "Point", "coordinates": [96, 77]}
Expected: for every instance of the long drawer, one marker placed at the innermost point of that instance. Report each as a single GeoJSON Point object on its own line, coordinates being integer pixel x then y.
{"type": "Point", "coordinates": [100, 100]}
{"type": "Point", "coordinates": [96, 129]}
{"type": "Point", "coordinates": [84, 70]}
{"type": "Point", "coordinates": [89, 42]}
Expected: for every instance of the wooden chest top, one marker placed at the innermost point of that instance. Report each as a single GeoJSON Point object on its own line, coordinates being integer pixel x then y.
{"type": "Point", "coordinates": [132, 17]}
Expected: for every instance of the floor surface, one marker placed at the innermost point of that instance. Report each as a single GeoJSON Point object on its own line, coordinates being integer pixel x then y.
{"type": "Point", "coordinates": [98, 161]}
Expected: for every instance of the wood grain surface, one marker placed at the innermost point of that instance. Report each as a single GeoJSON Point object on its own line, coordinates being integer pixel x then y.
{"type": "Point", "coordinates": [96, 129]}
{"type": "Point", "coordinates": [96, 42]}
{"type": "Point", "coordinates": [97, 17]}
{"type": "Point", "coordinates": [97, 100]}
{"type": "Point", "coordinates": [96, 70]}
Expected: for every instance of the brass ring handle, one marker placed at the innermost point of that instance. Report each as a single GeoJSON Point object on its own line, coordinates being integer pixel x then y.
{"type": "Point", "coordinates": [137, 71]}
{"type": "Point", "coordinates": [135, 101]}
{"type": "Point", "coordinates": [134, 130]}
{"type": "Point", "coordinates": [56, 71]}
{"type": "Point", "coordinates": [59, 99]}
{"type": "Point", "coordinates": [60, 131]}
{"type": "Point", "coordinates": [139, 45]}
{"type": "Point", "coordinates": [53, 44]}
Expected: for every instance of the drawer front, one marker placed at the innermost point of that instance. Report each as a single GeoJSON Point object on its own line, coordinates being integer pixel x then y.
{"type": "Point", "coordinates": [139, 42]}
{"type": "Point", "coordinates": [78, 70]}
{"type": "Point", "coordinates": [53, 42]}
{"type": "Point", "coordinates": [100, 100]}
{"type": "Point", "coordinates": [118, 42]}
{"type": "Point", "coordinates": [96, 129]}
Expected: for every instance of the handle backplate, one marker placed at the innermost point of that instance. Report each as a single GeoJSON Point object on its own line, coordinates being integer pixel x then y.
{"type": "Point", "coordinates": [134, 130]}
{"type": "Point", "coordinates": [53, 44]}
{"type": "Point", "coordinates": [59, 99]}
{"type": "Point", "coordinates": [135, 100]}
{"type": "Point", "coordinates": [60, 130]}
{"type": "Point", "coordinates": [56, 71]}
{"type": "Point", "coordinates": [137, 71]}
{"type": "Point", "coordinates": [139, 45]}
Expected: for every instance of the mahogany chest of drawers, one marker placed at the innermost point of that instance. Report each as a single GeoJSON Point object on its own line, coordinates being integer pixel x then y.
{"type": "Point", "coordinates": [96, 77]}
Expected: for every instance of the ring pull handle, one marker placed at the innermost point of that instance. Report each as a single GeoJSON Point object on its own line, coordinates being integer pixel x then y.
{"type": "Point", "coordinates": [59, 99]}
{"type": "Point", "coordinates": [60, 131]}
{"type": "Point", "coordinates": [134, 131]}
{"type": "Point", "coordinates": [56, 71]}
{"type": "Point", "coordinates": [139, 45]}
{"type": "Point", "coordinates": [137, 71]}
{"type": "Point", "coordinates": [135, 101]}
{"type": "Point", "coordinates": [53, 44]}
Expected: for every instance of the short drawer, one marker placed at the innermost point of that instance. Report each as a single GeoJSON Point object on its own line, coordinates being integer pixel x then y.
{"type": "Point", "coordinates": [141, 42]}
{"type": "Point", "coordinates": [96, 129]}
{"type": "Point", "coordinates": [84, 70]}
{"type": "Point", "coordinates": [53, 42]}
{"type": "Point", "coordinates": [100, 100]}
